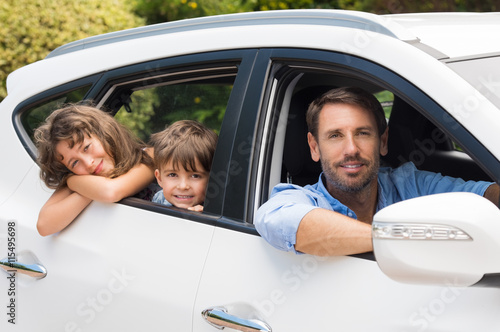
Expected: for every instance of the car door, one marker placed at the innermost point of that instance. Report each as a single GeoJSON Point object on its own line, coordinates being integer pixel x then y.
{"type": "Point", "coordinates": [250, 286]}
{"type": "Point", "coordinates": [132, 265]}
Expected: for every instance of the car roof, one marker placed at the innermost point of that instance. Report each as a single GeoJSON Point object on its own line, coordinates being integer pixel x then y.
{"type": "Point", "coordinates": [283, 28]}
{"type": "Point", "coordinates": [455, 34]}
{"type": "Point", "coordinates": [340, 18]}
{"type": "Point", "coordinates": [443, 35]}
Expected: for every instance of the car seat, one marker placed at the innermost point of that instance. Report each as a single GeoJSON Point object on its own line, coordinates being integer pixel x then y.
{"type": "Point", "coordinates": [412, 137]}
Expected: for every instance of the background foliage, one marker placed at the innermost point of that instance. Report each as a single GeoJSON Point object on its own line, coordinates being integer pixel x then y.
{"type": "Point", "coordinates": [30, 29]}
{"type": "Point", "coordinates": [155, 11]}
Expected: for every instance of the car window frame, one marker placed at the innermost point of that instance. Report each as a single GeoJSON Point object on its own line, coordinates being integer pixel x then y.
{"type": "Point", "coordinates": [220, 167]}
{"type": "Point", "coordinates": [363, 69]}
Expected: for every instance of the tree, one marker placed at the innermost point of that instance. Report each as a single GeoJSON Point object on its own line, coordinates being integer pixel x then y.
{"type": "Point", "coordinates": [30, 29]}
{"type": "Point", "coordinates": [157, 11]}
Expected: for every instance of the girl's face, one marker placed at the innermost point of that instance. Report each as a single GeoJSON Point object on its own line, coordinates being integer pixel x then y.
{"type": "Point", "coordinates": [85, 158]}
{"type": "Point", "coordinates": [183, 188]}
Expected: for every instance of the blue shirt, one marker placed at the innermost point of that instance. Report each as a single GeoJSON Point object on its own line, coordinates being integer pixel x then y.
{"type": "Point", "coordinates": [160, 198]}
{"type": "Point", "coordinates": [278, 219]}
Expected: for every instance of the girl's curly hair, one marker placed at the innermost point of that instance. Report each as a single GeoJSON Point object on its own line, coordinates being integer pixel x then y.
{"type": "Point", "coordinates": [75, 123]}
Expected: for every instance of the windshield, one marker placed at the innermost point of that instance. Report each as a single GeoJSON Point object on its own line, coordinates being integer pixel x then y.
{"type": "Point", "coordinates": [483, 74]}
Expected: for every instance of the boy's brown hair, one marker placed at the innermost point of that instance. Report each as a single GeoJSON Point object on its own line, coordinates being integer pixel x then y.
{"type": "Point", "coordinates": [184, 142]}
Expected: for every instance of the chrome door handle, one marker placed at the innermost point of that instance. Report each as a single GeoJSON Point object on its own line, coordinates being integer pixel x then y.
{"type": "Point", "coordinates": [219, 317]}
{"type": "Point", "coordinates": [35, 269]}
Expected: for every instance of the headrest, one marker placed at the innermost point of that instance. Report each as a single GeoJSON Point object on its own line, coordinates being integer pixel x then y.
{"type": "Point", "coordinates": [296, 155]}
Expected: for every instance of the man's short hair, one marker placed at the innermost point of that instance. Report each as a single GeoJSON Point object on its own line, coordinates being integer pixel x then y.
{"type": "Point", "coordinates": [183, 143]}
{"type": "Point", "coordinates": [346, 95]}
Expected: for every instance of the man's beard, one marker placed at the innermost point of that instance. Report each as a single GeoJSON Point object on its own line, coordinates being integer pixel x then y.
{"type": "Point", "coordinates": [342, 183]}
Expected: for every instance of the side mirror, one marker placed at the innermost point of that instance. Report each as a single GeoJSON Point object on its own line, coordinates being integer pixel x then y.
{"type": "Point", "coordinates": [443, 239]}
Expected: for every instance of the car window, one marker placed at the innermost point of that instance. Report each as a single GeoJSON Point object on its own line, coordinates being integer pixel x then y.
{"type": "Point", "coordinates": [413, 135]}
{"type": "Point", "coordinates": [150, 110]}
{"type": "Point", "coordinates": [386, 99]}
{"type": "Point", "coordinates": [149, 103]}
{"type": "Point", "coordinates": [33, 117]}
{"type": "Point", "coordinates": [146, 108]}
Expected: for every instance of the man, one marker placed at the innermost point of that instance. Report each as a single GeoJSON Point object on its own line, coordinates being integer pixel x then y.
{"type": "Point", "coordinates": [347, 133]}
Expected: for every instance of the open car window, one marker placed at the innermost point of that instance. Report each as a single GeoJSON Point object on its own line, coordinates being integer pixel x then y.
{"type": "Point", "coordinates": [146, 110]}
{"type": "Point", "coordinates": [414, 136]}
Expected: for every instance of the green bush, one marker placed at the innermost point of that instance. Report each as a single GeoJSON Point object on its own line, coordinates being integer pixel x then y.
{"type": "Point", "coordinates": [30, 29]}
{"type": "Point", "coordinates": [156, 11]}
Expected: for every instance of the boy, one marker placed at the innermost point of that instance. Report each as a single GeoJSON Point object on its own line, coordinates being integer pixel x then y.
{"type": "Point", "coordinates": [183, 155]}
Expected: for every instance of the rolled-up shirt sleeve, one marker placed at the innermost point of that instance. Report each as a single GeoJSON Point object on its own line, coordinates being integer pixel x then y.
{"type": "Point", "coordinates": [278, 219]}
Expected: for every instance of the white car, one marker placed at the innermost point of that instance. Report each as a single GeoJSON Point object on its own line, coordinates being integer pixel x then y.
{"type": "Point", "coordinates": [139, 266]}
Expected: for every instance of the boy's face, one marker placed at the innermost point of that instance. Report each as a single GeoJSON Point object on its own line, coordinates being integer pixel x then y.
{"type": "Point", "coordinates": [183, 188]}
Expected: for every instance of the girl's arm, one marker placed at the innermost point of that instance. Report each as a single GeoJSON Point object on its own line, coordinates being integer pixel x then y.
{"type": "Point", "coordinates": [66, 203]}
{"type": "Point", "coordinates": [112, 190]}
{"type": "Point", "coordinates": [60, 210]}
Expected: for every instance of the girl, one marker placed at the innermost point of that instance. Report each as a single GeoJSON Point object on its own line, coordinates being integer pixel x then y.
{"type": "Point", "coordinates": [85, 154]}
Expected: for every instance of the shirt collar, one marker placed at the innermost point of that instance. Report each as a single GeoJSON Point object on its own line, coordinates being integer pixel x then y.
{"type": "Point", "coordinates": [334, 203]}
{"type": "Point", "coordinates": [382, 199]}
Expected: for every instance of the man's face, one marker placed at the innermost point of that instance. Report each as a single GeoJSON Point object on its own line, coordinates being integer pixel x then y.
{"type": "Point", "coordinates": [349, 147]}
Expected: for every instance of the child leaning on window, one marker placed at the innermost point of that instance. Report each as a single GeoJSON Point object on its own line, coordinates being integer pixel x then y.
{"type": "Point", "coordinates": [85, 155]}
{"type": "Point", "coordinates": [183, 155]}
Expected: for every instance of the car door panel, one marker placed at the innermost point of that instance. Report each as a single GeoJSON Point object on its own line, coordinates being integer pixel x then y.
{"type": "Point", "coordinates": [306, 293]}
{"type": "Point", "coordinates": [115, 265]}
